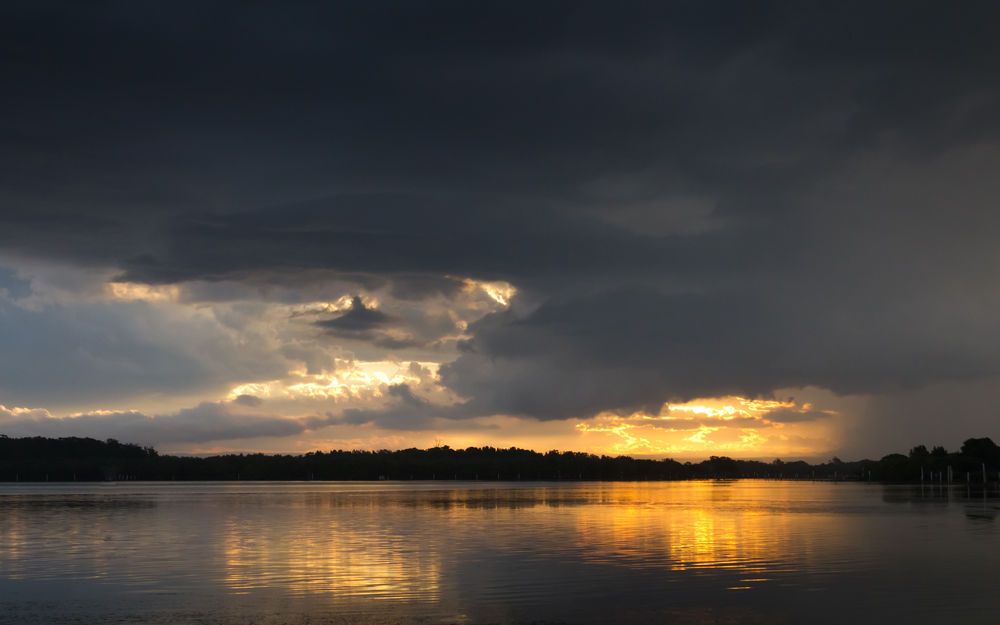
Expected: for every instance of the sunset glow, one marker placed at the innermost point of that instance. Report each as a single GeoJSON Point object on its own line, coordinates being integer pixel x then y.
{"type": "Point", "coordinates": [541, 246]}
{"type": "Point", "coordinates": [351, 379]}
{"type": "Point", "coordinates": [143, 292]}
{"type": "Point", "coordinates": [731, 425]}
{"type": "Point", "coordinates": [475, 313]}
{"type": "Point", "coordinates": [500, 292]}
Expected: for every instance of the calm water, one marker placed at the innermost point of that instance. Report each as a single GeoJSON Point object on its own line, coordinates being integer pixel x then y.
{"type": "Point", "coordinates": [419, 552]}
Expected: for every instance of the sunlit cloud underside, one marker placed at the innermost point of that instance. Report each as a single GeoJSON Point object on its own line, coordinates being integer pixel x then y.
{"type": "Point", "coordinates": [322, 377]}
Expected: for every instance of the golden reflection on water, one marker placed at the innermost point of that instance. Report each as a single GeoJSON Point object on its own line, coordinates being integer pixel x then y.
{"type": "Point", "coordinates": [338, 560]}
{"type": "Point", "coordinates": [440, 552]}
{"type": "Point", "coordinates": [42, 539]}
{"type": "Point", "coordinates": [13, 542]}
{"type": "Point", "coordinates": [403, 545]}
{"type": "Point", "coordinates": [441, 543]}
{"type": "Point", "coordinates": [701, 525]}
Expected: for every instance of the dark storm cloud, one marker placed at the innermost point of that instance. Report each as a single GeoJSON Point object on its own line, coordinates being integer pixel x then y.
{"type": "Point", "coordinates": [248, 400]}
{"type": "Point", "coordinates": [405, 410]}
{"type": "Point", "coordinates": [693, 198]}
{"type": "Point", "coordinates": [696, 423]}
{"type": "Point", "coordinates": [363, 323]}
{"type": "Point", "coordinates": [415, 288]}
{"type": "Point", "coordinates": [791, 415]}
{"type": "Point", "coordinates": [358, 319]}
{"type": "Point", "coordinates": [395, 233]}
{"type": "Point", "coordinates": [636, 349]}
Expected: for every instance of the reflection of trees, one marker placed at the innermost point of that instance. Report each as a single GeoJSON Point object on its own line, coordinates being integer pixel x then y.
{"type": "Point", "coordinates": [977, 503]}
{"type": "Point", "coordinates": [929, 495]}
{"type": "Point", "coordinates": [983, 511]}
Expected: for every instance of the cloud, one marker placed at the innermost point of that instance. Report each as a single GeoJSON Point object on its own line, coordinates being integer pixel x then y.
{"type": "Point", "coordinates": [362, 323]}
{"type": "Point", "coordinates": [944, 413]}
{"type": "Point", "coordinates": [506, 172]}
{"type": "Point", "coordinates": [418, 325]}
{"type": "Point", "coordinates": [63, 348]}
{"type": "Point", "coordinates": [208, 421]}
{"type": "Point", "coordinates": [248, 400]}
{"type": "Point", "coordinates": [406, 410]}
{"type": "Point", "coordinates": [11, 286]}
{"type": "Point", "coordinates": [691, 200]}
{"type": "Point", "coordinates": [796, 415]}
{"type": "Point", "coordinates": [99, 352]}
{"type": "Point", "coordinates": [359, 319]}
{"type": "Point", "coordinates": [633, 350]}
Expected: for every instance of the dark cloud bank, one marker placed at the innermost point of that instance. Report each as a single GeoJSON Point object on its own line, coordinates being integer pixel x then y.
{"type": "Point", "coordinates": [692, 198]}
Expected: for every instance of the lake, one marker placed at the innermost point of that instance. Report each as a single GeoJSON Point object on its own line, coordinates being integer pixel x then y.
{"type": "Point", "coordinates": [748, 551]}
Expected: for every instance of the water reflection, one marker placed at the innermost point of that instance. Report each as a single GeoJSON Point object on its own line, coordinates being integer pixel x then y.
{"type": "Point", "coordinates": [978, 503]}
{"type": "Point", "coordinates": [728, 534]}
{"type": "Point", "coordinates": [500, 552]}
{"type": "Point", "coordinates": [47, 537]}
{"type": "Point", "coordinates": [333, 557]}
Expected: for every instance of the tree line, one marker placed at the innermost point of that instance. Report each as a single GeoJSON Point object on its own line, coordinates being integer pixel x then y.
{"type": "Point", "coordinates": [88, 459]}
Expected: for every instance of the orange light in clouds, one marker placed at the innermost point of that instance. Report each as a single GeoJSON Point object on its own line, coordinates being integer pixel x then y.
{"type": "Point", "coordinates": [731, 425]}
{"type": "Point", "coordinates": [144, 292]}
{"type": "Point", "coordinates": [730, 407]}
{"type": "Point", "coordinates": [500, 292]}
{"type": "Point", "coordinates": [356, 379]}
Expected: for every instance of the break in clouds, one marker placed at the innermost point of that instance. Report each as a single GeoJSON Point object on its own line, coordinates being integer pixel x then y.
{"type": "Point", "coordinates": [562, 211]}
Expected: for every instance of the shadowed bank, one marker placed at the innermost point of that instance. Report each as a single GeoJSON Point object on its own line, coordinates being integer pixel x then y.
{"type": "Point", "coordinates": [86, 459]}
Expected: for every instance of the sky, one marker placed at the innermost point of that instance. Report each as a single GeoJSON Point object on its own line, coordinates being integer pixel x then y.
{"type": "Point", "coordinates": [681, 229]}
